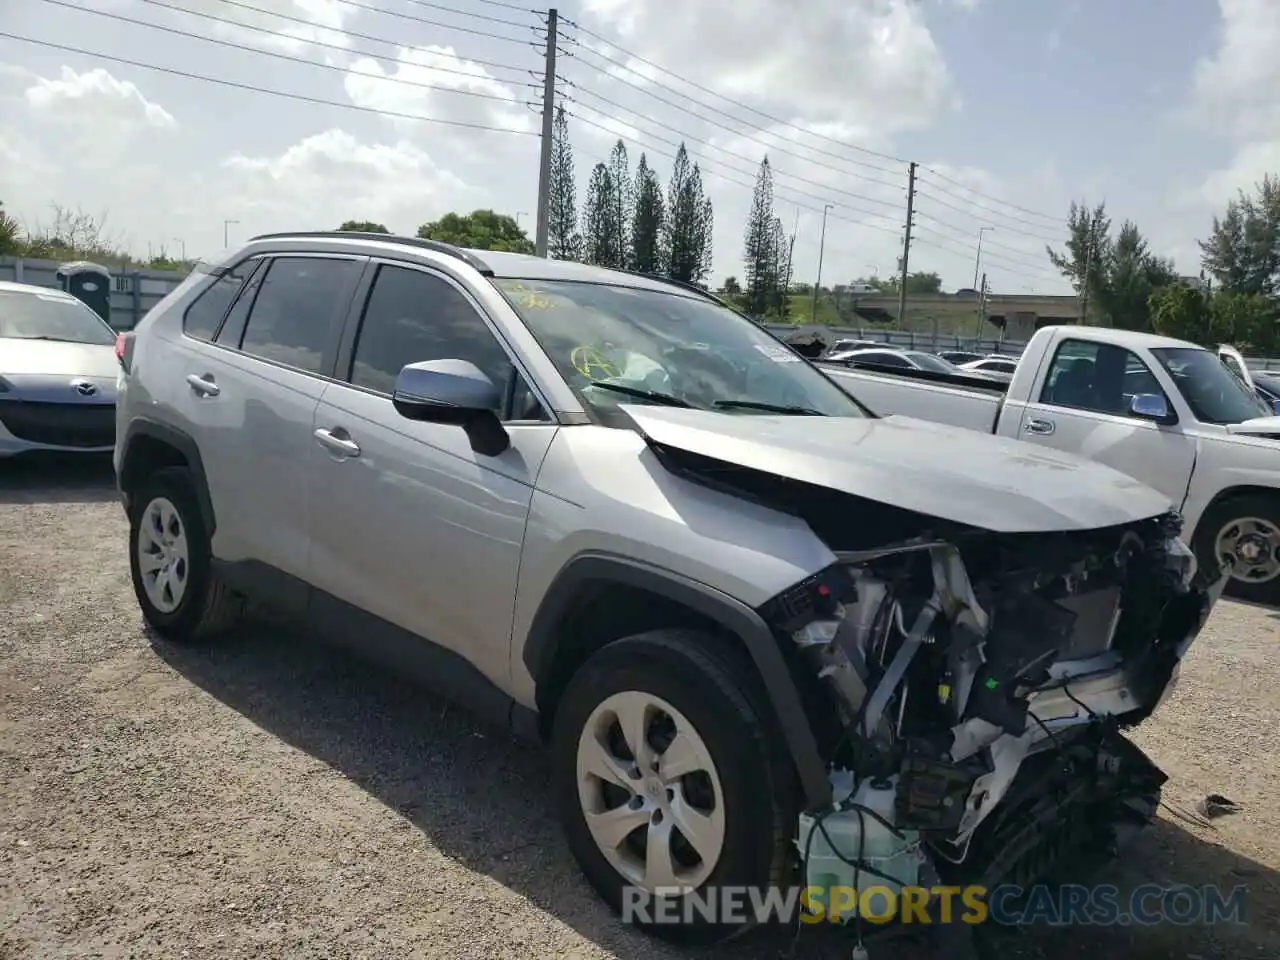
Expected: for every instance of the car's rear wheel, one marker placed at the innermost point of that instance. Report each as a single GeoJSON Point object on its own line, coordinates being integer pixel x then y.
{"type": "Point", "coordinates": [672, 784]}
{"type": "Point", "coordinates": [171, 564]}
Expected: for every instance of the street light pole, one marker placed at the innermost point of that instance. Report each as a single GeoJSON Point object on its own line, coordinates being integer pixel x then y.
{"type": "Point", "coordinates": [183, 245]}
{"type": "Point", "coordinates": [977, 263]}
{"type": "Point", "coordinates": [226, 242]}
{"type": "Point", "coordinates": [822, 247]}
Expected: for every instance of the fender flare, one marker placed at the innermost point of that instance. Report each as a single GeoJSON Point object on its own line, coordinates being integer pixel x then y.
{"type": "Point", "coordinates": [185, 445]}
{"type": "Point", "coordinates": [542, 643]}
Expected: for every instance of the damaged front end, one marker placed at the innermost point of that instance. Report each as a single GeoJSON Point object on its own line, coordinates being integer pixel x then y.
{"type": "Point", "coordinates": [974, 690]}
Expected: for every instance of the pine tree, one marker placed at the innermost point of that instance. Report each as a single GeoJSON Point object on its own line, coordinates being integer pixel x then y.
{"type": "Point", "coordinates": [563, 240]}
{"type": "Point", "coordinates": [648, 220]}
{"type": "Point", "coordinates": [780, 302]}
{"type": "Point", "coordinates": [674, 226]}
{"type": "Point", "coordinates": [690, 220]}
{"type": "Point", "coordinates": [600, 242]}
{"type": "Point", "coordinates": [760, 246]}
{"type": "Point", "coordinates": [623, 201]}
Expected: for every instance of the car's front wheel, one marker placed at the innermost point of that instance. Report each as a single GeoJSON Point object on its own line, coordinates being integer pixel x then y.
{"type": "Point", "coordinates": [171, 563]}
{"type": "Point", "coordinates": [673, 786]}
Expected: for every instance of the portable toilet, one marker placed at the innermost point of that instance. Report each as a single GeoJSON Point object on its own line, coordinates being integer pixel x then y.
{"type": "Point", "coordinates": [89, 283]}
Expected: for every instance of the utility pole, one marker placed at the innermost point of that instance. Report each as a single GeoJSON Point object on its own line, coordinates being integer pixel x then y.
{"type": "Point", "coordinates": [548, 133]}
{"type": "Point", "coordinates": [822, 249]}
{"type": "Point", "coordinates": [226, 242]}
{"type": "Point", "coordinates": [791, 252]}
{"type": "Point", "coordinates": [982, 307]}
{"type": "Point", "coordinates": [906, 242]}
{"type": "Point", "coordinates": [977, 263]}
{"type": "Point", "coordinates": [1084, 287]}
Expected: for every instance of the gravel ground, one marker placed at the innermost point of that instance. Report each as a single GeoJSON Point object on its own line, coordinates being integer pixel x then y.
{"type": "Point", "coordinates": [264, 799]}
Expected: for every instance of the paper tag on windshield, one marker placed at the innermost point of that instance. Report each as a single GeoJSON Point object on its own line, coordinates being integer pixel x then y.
{"type": "Point", "coordinates": [776, 353]}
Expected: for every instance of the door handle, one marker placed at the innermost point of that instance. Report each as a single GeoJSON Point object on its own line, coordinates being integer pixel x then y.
{"type": "Point", "coordinates": [203, 385]}
{"type": "Point", "coordinates": [339, 446]}
{"type": "Point", "coordinates": [1041, 427]}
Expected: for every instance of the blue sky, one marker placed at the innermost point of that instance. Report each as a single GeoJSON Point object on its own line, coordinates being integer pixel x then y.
{"type": "Point", "coordinates": [1161, 109]}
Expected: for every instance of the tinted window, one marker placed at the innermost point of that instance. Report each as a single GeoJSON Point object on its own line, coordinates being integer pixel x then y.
{"type": "Point", "coordinates": [413, 316]}
{"type": "Point", "coordinates": [883, 359]}
{"type": "Point", "coordinates": [1212, 391]}
{"type": "Point", "coordinates": [291, 314]}
{"type": "Point", "coordinates": [1100, 377]}
{"type": "Point", "coordinates": [204, 316]}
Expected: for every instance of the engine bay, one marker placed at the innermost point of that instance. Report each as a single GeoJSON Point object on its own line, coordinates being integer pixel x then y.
{"type": "Point", "coordinates": [973, 691]}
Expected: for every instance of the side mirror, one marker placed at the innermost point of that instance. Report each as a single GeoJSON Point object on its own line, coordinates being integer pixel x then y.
{"type": "Point", "coordinates": [1150, 406]}
{"type": "Point", "coordinates": [457, 393]}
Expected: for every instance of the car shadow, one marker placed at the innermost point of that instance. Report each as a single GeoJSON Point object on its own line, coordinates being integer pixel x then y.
{"type": "Point", "coordinates": [57, 478]}
{"type": "Point", "coordinates": [482, 797]}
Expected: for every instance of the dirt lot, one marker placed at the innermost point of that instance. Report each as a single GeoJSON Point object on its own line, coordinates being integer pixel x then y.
{"type": "Point", "coordinates": [270, 799]}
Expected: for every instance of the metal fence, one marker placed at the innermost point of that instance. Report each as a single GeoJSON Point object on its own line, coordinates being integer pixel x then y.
{"type": "Point", "coordinates": [912, 340]}
{"type": "Point", "coordinates": [133, 292]}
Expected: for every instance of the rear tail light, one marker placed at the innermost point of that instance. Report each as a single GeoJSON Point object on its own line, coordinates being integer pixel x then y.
{"type": "Point", "coordinates": [124, 350]}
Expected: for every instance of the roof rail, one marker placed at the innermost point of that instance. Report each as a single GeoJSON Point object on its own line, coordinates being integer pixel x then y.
{"type": "Point", "coordinates": [436, 246]}
{"type": "Point", "coordinates": [683, 285]}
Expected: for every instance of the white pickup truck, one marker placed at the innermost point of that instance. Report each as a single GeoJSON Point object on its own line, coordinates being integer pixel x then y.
{"type": "Point", "coordinates": [1166, 412]}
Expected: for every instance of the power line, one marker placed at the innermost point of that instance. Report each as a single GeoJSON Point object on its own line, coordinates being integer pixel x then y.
{"type": "Point", "coordinates": [745, 173]}
{"type": "Point", "coordinates": [987, 196]}
{"type": "Point", "coordinates": [948, 244]}
{"type": "Point", "coordinates": [444, 8]}
{"type": "Point", "coordinates": [769, 147]}
{"type": "Point", "coordinates": [746, 186]}
{"type": "Point", "coordinates": [967, 239]}
{"type": "Point", "coordinates": [266, 90]}
{"type": "Point", "coordinates": [427, 20]}
{"type": "Point", "coordinates": [689, 138]}
{"type": "Point", "coordinates": [301, 60]}
{"type": "Point", "coordinates": [720, 96]}
{"type": "Point", "coordinates": [739, 133]}
{"type": "Point", "coordinates": [975, 216]}
{"type": "Point", "coordinates": [507, 6]}
{"type": "Point", "coordinates": [398, 44]}
{"type": "Point", "coordinates": [989, 212]}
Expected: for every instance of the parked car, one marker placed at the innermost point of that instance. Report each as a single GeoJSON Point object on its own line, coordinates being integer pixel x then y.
{"type": "Point", "coordinates": [959, 357]}
{"type": "Point", "coordinates": [882, 357]}
{"type": "Point", "coordinates": [844, 346]}
{"type": "Point", "coordinates": [57, 373]}
{"type": "Point", "coordinates": [1001, 368]}
{"type": "Point", "coordinates": [1267, 385]}
{"type": "Point", "coordinates": [615, 515]}
{"type": "Point", "coordinates": [1166, 412]}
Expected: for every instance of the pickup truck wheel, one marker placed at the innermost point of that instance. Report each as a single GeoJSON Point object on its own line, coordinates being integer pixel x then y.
{"type": "Point", "coordinates": [1246, 530]}
{"type": "Point", "coordinates": [672, 784]}
{"type": "Point", "coordinates": [171, 564]}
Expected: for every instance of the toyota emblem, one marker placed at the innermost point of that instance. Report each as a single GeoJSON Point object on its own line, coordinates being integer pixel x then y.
{"type": "Point", "coordinates": [84, 388]}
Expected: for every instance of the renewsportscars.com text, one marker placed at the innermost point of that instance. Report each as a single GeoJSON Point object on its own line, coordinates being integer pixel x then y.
{"type": "Point", "coordinates": [1070, 905]}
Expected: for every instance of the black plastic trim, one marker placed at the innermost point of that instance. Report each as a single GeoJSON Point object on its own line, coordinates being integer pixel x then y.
{"type": "Point", "coordinates": [369, 637]}
{"type": "Point", "coordinates": [184, 444]}
{"type": "Point", "coordinates": [541, 646]}
{"type": "Point", "coordinates": [436, 246]}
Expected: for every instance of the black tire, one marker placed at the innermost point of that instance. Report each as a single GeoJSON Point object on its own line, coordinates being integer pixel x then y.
{"type": "Point", "coordinates": [207, 608]}
{"type": "Point", "coordinates": [718, 693]}
{"type": "Point", "coordinates": [1217, 517]}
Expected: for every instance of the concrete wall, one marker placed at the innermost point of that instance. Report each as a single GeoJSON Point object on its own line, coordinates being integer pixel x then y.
{"type": "Point", "coordinates": [133, 292]}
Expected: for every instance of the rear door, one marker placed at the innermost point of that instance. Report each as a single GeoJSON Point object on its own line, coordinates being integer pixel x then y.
{"type": "Point", "coordinates": [1082, 407]}
{"type": "Point", "coordinates": [248, 384]}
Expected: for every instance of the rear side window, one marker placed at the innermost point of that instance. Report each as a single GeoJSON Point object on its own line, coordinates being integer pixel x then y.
{"type": "Point", "coordinates": [205, 314]}
{"type": "Point", "coordinates": [884, 359]}
{"type": "Point", "coordinates": [293, 311]}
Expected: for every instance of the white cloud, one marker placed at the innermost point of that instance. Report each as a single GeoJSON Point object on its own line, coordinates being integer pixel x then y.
{"type": "Point", "coordinates": [117, 101]}
{"type": "Point", "coordinates": [1236, 93]}
{"type": "Point", "coordinates": [92, 142]}
{"type": "Point", "coordinates": [869, 63]}
{"type": "Point", "coordinates": [288, 26]}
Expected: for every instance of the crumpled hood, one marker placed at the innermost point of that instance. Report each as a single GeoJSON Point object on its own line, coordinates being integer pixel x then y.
{"type": "Point", "coordinates": [1005, 486]}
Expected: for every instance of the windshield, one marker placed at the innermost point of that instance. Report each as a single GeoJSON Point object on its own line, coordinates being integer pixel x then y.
{"type": "Point", "coordinates": [1212, 391]}
{"type": "Point", "coordinates": [671, 345]}
{"type": "Point", "coordinates": [927, 361]}
{"type": "Point", "coordinates": [30, 316]}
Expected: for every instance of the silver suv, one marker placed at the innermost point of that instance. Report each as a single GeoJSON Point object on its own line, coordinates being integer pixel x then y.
{"type": "Point", "coordinates": [767, 634]}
